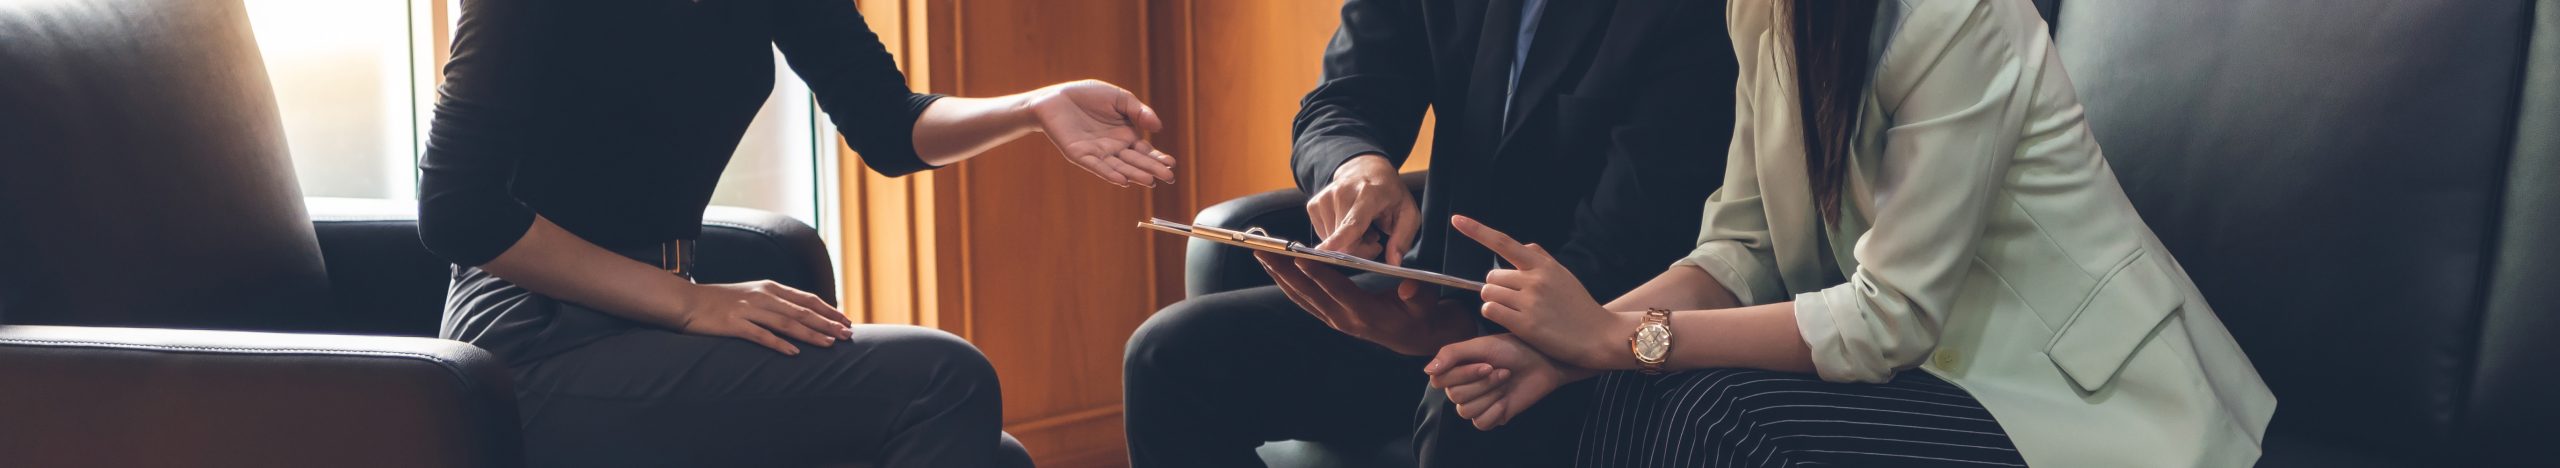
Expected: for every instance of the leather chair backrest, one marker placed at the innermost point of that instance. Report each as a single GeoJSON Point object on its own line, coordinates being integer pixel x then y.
{"type": "Point", "coordinates": [144, 179]}
{"type": "Point", "coordinates": [2351, 185]}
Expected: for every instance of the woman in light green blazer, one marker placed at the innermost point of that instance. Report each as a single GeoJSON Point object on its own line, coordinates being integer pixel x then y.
{"type": "Point", "coordinates": [1932, 266]}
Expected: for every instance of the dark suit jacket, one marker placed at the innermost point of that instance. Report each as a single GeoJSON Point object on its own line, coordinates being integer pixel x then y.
{"type": "Point", "coordinates": [1624, 107]}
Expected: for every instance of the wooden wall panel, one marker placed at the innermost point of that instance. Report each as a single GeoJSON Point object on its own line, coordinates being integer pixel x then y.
{"type": "Point", "coordinates": [1250, 63]}
{"type": "Point", "coordinates": [1055, 274]}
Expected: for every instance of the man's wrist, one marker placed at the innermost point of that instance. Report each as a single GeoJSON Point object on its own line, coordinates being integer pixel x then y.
{"type": "Point", "coordinates": [1363, 164]}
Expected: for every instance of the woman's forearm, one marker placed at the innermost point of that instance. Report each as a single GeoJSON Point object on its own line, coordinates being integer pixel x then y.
{"type": "Point", "coordinates": [1756, 337]}
{"type": "Point", "coordinates": [1710, 328]}
{"type": "Point", "coordinates": [954, 129]}
{"type": "Point", "coordinates": [553, 262]}
{"type": "Point", "coordinates": [1680, 288]}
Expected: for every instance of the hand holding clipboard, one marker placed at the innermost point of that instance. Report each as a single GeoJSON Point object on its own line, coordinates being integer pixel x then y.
{"type": "Point", "coordinates": [1256, 240]}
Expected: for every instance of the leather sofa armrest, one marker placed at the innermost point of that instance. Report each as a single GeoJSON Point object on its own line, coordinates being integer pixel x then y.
{"type": "Point", "coordinates": [1209, 267]}
{"type": "Point", "coordinates": [740, 244]}
{"type": "Point", "coordinates": [96, 396]}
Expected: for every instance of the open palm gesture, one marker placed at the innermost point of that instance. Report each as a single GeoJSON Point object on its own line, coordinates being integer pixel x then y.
{"type": "Point", "coordinates": [1102, 129]}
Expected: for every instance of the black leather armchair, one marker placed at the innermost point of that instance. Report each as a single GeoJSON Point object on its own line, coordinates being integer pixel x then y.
{"type": "Point", "coordinates": [2367, 191]}
{"type": "Point", "coordinates": [168, 298]}
{"type": "Point", "coordinates": [363, 384]}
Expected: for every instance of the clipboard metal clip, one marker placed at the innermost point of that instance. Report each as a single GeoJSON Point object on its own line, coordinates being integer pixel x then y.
{"type": "Point", "coordinates": [1258, 239]}
{"type": "Point", "coordinates": [1254, 235]}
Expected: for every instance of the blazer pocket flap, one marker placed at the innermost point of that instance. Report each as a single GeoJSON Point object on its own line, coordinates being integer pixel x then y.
{"type": "Point", "coordinates": [2122, 314]}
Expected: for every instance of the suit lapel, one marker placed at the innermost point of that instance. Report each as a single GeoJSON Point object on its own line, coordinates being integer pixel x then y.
{"type": "Point", "coordinates": [1483, 114]}
{"type": "Point", "coordinates": [1562, 35]}
{"type": "Point", "coordinates": [1479, 123]}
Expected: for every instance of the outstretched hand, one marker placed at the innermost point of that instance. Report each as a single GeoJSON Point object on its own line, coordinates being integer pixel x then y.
{"type": "Point", "coordinates": [1102, 129]}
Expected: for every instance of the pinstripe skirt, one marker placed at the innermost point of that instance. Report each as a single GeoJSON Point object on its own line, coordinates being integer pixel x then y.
{"type": "Point", "coordinates": [1742, 417]}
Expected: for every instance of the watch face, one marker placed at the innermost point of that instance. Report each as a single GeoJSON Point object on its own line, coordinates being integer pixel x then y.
{"type": "Point", "coordinates": [1652, 342]}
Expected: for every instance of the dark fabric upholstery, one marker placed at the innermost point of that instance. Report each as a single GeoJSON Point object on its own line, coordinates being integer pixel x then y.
{"type": "Point", "coordinates": [144, 168]}
{"type": "Point", "coordinates": [2342, 181]}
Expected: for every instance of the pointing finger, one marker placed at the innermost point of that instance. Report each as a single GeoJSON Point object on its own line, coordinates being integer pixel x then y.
{"type": "Point", "coordinates": [1500, 243]}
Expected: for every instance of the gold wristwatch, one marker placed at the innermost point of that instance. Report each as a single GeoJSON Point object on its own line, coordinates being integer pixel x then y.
{"type": "Point", "coordinates": [1652, 341]}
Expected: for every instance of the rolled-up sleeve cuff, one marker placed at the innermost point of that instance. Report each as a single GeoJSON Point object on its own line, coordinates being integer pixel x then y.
{"type": "Point", "coordinates": [1733, 266]}
{"type": "Point", "coordinates": [1823, 319]}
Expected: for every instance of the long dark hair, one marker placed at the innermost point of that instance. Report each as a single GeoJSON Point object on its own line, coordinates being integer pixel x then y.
{"type": "Point", "coordinates": [1830, 38]}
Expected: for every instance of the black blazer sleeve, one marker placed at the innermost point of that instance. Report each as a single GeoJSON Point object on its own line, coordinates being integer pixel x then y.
{"type": "Point", "coordinates": [480, 132]}
{"type": "Point", "coordinates": [855, 80]}
{"type": "Point", "coordinates": [1370, 99]}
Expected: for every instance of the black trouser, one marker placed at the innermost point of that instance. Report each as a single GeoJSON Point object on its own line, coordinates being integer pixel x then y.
{"type": "Point", "coordinates": [1210, 378]}
{"type": "Point", "coordinates": [897, 396]}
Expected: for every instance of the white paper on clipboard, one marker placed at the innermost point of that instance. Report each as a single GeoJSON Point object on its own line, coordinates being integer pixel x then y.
{"type": "Point", "coordinates": [1255, 239]}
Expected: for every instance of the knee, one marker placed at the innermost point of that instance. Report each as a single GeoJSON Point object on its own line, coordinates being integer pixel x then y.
{"type": "Point", "coordinates": [1170, 333]}
{"type": "Point", "coordinates": [931, 355]}
{"type": "Point", "coordinates": [1010, 453]}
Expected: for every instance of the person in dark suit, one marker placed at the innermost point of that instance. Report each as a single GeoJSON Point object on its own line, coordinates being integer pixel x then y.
{"type": "Point", "coordinates": [1581, 126]}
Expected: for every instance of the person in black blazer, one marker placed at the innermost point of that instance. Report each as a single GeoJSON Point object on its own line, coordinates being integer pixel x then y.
{"type": "Point", "coordinates": [1582, 126]}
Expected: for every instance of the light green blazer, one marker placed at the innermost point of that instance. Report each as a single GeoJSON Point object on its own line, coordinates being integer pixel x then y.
{"type": "Point", "coordinates": [1985, 240]}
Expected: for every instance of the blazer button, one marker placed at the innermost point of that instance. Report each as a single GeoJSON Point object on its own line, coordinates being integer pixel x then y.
{"type": "Point", "coordinates": [1944, 358]}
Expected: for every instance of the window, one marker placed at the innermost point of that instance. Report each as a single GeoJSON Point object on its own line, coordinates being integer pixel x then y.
{"type": "Point", "coordinates": [355, 82]}
{"type": "Point", "coordinates": [344, 77]}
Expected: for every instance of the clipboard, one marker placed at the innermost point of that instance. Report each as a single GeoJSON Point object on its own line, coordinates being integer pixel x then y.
{"type": "Point", "coordinates": [1257, 240]}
